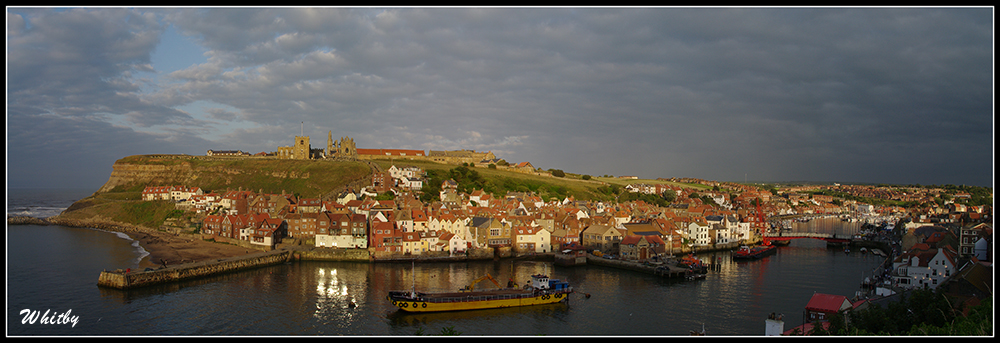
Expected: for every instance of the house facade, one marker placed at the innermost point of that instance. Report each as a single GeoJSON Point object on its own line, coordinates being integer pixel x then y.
{"type": "Point", "coordinates": [601, 237]}
{"type": "Point", "coordinates": [532, 239]}
{"type": "Point", "coordinates": [924, 267]}
{"type": "Point", "coordinates": [640, 248]}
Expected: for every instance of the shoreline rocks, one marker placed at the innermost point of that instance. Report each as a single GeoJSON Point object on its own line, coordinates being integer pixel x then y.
{"type": "Point", "coordinates": [27, 220]}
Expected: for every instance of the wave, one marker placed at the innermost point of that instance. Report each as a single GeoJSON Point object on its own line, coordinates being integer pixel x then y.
{"type": "Point", "coordinates": [36, 211]}
{"type": "Point", "coordinates": [140, 251]}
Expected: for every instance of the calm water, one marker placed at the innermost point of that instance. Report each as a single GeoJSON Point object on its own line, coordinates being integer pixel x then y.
{"type": "Point", "coordinates": [56, 268]}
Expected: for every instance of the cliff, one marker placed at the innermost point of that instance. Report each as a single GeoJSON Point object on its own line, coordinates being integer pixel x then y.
{"type": "Point", "coordinates": [307, 178]}
{"type": "Point", "coordinates": [120, 199]}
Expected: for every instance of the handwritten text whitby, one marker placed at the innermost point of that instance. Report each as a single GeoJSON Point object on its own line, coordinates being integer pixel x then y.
{"type": "Point", "coordinates": [30, 317]}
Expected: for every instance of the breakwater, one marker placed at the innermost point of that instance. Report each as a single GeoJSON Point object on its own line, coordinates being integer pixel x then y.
{"type": "Point", "coordinates": [666, 270]}
{"type": "Point", "coordinates": [26, 220]}
{"type": "Point", "coordinates": [100, 224]}
{"type": "Point", "coordinates": [128, 279]}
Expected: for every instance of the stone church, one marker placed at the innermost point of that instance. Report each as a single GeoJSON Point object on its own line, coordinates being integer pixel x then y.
{"type": "Point", "coordinates": [302, 150]}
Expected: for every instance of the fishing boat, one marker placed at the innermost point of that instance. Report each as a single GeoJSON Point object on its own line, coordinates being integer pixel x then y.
{"type": "Point", "coordinates": [782, 242]}
{"type": "Point", "coordinates": [757, 252]}
{"type": "Point", "coordinates": [693, 263]}
{"type": "Point", "coordinates": [539, 291]}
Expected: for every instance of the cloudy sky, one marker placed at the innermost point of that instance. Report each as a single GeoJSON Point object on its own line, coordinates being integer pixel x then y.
{"type": "Point", "coordinates": [881, 95]}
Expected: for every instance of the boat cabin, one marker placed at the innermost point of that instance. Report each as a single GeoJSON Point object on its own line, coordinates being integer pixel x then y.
{"type": "Point", "coordinates": [539, 281]}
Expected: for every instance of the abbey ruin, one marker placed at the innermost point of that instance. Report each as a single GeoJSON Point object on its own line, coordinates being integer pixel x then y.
{"type": "Point", "coordinates": [345, 149]}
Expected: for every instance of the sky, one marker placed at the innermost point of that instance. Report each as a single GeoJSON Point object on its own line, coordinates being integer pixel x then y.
{"type": "Point", "coordinates": [827, 94]}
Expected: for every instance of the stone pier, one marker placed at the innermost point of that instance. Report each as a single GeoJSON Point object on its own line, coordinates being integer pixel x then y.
{"type": "Point", "coordinates": [122, 279]}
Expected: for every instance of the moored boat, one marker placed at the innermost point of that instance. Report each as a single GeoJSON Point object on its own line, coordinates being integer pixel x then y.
{"type": "Point", "coordinates": [783, 243]}
{"type": "Point", "coordinates": [757, 252]}
{"type": "Point", "coordinates": [540, 290]}
{"type": "Point", "coordinates": [694, 264]}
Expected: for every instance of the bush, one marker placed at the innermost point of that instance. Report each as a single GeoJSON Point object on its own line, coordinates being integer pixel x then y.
{"type": "Point", "coordinates": [558, 173]}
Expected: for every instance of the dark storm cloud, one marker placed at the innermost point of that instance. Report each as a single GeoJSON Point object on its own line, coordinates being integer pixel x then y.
{"type": "Point", "coordinates": [896, 95]}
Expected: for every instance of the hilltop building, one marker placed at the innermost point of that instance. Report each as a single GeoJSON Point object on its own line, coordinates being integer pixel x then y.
{"type": "Point", "coordinates": [299, 151]}
{"type": "Point", "coordinates": [227, 153]}
{"type": "Point", "coordinates": [345, 148]}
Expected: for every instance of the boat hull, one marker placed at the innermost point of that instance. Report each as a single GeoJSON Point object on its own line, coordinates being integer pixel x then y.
{"type": "Point", "coordinates": [472, 301]}
{"type": "Point", "coordinates": [756, 253]}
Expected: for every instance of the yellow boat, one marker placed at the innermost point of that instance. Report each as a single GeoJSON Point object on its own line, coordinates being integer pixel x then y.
{"type": "Point", "coordinates": [540, 290]}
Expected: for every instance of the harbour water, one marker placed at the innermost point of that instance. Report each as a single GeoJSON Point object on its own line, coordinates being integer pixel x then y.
{"type": "Point", "coordinates": [55, 269]}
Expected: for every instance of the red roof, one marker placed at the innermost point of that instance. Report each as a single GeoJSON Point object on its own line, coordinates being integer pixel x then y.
{"type": "Point", "coordinates": [826, 302]}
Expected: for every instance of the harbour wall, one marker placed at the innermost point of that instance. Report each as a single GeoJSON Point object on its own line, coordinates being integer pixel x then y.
{"type": "Point", "coordinates": [130, 279]}
{"type": "Point", "coordinates": [668, 270]}
{"type": "Point", "coordinates": [127, 279]}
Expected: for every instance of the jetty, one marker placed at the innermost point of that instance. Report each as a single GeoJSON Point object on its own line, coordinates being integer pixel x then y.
{"type": "Point", "coordinates": [667, 270]}
{"type": "Point", "coordinates": [130, 279]}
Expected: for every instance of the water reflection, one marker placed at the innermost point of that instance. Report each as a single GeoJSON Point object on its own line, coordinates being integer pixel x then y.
{"type": "Point", "coordinates": [315, 298]}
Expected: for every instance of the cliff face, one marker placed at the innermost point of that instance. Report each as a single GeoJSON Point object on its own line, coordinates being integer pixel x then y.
{"type": "Point", "coordinates": [127, 174]}
{"type": "Point", "coordinates": [308, 178]}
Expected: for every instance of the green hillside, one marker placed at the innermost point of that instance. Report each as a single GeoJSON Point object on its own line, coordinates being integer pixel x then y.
{"type": "Point", "coordinates": [498, 181]}
{"type": "Point", "coordinates": [306, 178]}
{"type": "Point", "coordinates": [121, 198]}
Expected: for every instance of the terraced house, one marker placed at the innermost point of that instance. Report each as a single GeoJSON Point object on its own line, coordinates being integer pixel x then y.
{"type": "Point", "coordinates": [601, 237]}
{"type": "Point", "coordinates": [640, 248]}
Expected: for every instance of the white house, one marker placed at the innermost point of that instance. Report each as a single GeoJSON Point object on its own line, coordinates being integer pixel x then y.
{"type": "Point", "coordinates": [698, 232]}
{"type": "Point", "coordinates": [924, 267]}
{"type": "Point", "coordinates": [532, 239]}
{"type": "Point", "coordinates": [343, 199]}
{"type": "Point", "coordinates": [413, 183]}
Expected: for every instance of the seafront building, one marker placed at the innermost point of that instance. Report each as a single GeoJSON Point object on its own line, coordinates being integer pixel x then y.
{"type": "Point", "coordinates": [522, 222]}
{"type": "Point", "coordinates": [698, 219]}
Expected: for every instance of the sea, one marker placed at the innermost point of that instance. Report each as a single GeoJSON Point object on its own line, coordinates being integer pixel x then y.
{"type": "Point", "coordinates": [52, 290]}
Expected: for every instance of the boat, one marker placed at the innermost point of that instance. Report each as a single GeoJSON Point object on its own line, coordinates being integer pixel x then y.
{"type": "Point", "coordinates": [693, 263]}
{"type": "Point", "coordinates": [539, 291]}
{"type": "Point", "coordinates": [757, 252]}
{"type": "Point", "coordinates": [698, 333]}
{"type": "Point", "coordinates": [696, 276]}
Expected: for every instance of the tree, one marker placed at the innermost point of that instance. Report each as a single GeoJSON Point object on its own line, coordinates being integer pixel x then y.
{"type": "Point", "coordinates": [586, 177]}
{"type": "Point", "coordinates": [558, 173]}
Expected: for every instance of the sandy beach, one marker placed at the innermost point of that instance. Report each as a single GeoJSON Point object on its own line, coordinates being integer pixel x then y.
{"type": "Point", "coordinates": [180, 249]}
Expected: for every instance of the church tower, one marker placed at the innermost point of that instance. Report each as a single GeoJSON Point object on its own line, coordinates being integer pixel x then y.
{"type": "Point", "coordinates": [301, 149]}
{"type": "Point", "coordinates": [329, 145]}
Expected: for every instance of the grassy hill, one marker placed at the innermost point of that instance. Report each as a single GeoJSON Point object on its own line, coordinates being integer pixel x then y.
{"type": "Point", "coordinates": [120, 199]}
{"type": "Point", "coordinates": [500, 181]}
{"type": "Point", "coordinates": [306, 178]}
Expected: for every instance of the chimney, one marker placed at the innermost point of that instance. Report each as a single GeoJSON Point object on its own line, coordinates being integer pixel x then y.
{"type": "Point", "coordinates": [774, 325]}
